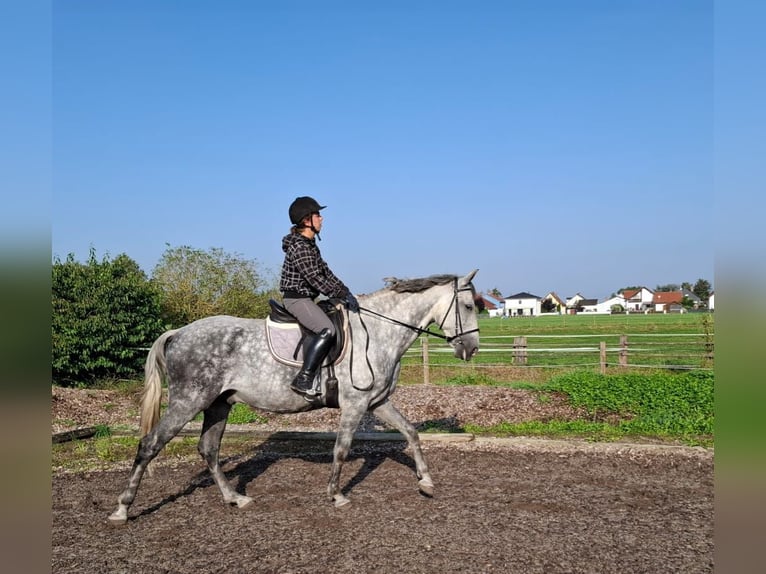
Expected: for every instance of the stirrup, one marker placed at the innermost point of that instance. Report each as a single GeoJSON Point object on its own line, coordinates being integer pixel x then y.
{"type": "Point", "coordinates": [314, 390]}
{"type": "Point", "coordinates": [312, 396]}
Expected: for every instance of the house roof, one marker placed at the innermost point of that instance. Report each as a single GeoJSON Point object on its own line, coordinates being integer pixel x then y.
{"type": "Point", "coordinates": [489, 303]}
{"type": "Point", "coordinates": [522, 295]}
{"type": "Point", "coordinates": [552, 295]}
{"type": "Point", "coordinates": [667, 297]}
{"type": "Point", "coordinates": [572, 301]}
{"type": "Point", "coordinates": [493, 299]}
{"type": "Point", "coordinates": [630, 293]}
{"type": "Point", "coordinates": [691, 295]}
{"type": "Point", "coordinates": [585, 302]}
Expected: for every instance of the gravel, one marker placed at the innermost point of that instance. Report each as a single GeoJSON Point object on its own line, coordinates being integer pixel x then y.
{"type": "Point", "coordinates": [445, 408]}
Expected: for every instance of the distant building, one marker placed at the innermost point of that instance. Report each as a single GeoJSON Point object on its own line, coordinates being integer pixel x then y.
{"type": "Point", "coordinates": [668, 301]}
{"type": "Point", "coordinates": [522, 305]}
{"type": "Point", "coordinates": [493, 305]}
{"type": "Point", "coordinates": [573, 302]}
{"type": "Point", "coordinates": [587, 306]}
{"type": "Point", "coordinates": [641, 299]}
{"type": "Point", "coordinates": [553, 303]}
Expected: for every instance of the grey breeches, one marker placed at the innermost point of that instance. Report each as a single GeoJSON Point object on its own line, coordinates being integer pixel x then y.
{"type": "Point", "coordinates": [309, 314]}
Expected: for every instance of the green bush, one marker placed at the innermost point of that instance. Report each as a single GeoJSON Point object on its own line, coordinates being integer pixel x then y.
{"type": "Point", "coordinates": [658, 403]}
{"type": "Point", "coordinates": [104, 316]}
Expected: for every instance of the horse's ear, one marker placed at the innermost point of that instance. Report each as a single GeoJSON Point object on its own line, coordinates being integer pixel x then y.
{"type": "Point", "coordinates": [468, 278]}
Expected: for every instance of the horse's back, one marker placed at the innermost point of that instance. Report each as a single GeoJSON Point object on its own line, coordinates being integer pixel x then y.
{"type": "Point", "coordinates": [219, 342]}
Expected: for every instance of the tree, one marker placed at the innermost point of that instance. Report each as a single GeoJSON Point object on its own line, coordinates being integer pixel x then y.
{"type": "Point", "coordinates": [670, 287]}
{"type": "Point", "coordinates": [196, 284]}
{"type": "Point", "coordinates": [702, 289]}
{"type": "Point", "coordinates": [104, 316]}
{"type": "Point", "coordinates": [686, 286]}
{"type": "Point", "coordinates": [548, 306]}
{"type": "Point", "coordinates": [494, 292]}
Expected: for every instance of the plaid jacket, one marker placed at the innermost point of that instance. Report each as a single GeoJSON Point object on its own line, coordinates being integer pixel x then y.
{"type": "Point", "coordinates": [305, 273]}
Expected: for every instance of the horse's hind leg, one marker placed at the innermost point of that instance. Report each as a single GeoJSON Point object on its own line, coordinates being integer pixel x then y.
{"type": "Point", "coordinates": [388, 413]}
{"type": "Point", "coordinates": [149, 447]}
{"type": "Point", "coordinates": [209, 446]}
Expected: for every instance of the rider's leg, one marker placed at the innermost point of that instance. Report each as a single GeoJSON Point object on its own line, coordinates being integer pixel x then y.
{"type": "Point", "coordinates": [318, 343]}
{"type": "Point", "coordinates": [314, 352]}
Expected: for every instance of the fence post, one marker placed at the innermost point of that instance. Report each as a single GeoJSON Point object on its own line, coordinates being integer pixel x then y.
{"type": "Point", "coordinates": [623, 350]}
{"type": "Point", "coordinates": [520, 350]}
{"type": "Point", "coordinates": [424, 346]}
{"type": "Point", "coordinates": [603, 357]}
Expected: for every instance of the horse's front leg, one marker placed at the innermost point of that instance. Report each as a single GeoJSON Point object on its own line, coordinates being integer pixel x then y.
{"type": "Point", "coordinates": [388, 413]}
{"type": "Point", "coordinates": [349, 422]}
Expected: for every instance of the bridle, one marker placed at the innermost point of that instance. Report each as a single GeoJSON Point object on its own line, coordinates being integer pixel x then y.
{"type": "Point", "coordinates": [459, 333]}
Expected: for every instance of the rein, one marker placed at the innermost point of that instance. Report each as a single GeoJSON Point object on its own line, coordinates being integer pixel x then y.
{"type": "Point", "coordinates": [419, 330]}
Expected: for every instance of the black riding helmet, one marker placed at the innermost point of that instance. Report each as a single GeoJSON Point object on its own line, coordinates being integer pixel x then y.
{"type": "Point", "coordinates": [303, 206]}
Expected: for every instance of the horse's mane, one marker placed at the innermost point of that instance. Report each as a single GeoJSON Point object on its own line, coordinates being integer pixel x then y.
{"type": "Point", "coordinates": [420, 285]}
{"type": "Point", "coordinates": [417, 285]}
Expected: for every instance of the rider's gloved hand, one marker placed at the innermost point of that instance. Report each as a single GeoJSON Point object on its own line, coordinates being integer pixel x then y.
{"type": "Point", "coordinates": [351, 303]}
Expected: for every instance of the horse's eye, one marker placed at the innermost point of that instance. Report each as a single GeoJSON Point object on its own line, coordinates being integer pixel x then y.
{"type": "Point", "coordinates": [469, 307]}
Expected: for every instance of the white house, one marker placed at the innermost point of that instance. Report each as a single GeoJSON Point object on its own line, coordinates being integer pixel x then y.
{"type": "Point", "coordinates": [572, 303]}
{"type": "Point", "coordinates": [711, 302]}
{"type": "Point", "coordinates": [522, 304]}
{"type": "Point", "coordinates": [605, 306]}
{"type": "Point", "coordinates": [639, 299]}
{"type": "Point", "coordinates": [599, 307]}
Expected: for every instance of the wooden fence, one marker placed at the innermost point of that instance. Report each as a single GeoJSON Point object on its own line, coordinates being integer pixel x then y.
{"type": "Point", "coordinates": [600, 351]}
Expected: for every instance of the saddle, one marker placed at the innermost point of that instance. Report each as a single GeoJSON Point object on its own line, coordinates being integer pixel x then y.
{"type": "Point", "coordinates": [285, 335]}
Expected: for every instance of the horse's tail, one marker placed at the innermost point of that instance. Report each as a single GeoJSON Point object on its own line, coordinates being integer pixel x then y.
{"type": "Point", "coordinates": [154, 375]}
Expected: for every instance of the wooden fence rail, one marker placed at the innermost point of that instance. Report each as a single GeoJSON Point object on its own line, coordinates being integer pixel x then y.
{"type": "Point", "coordinates": [655, 351]}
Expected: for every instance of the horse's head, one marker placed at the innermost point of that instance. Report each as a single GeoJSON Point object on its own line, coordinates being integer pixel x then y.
{"type": "Point", "coordinates": [451, 303]}
{"type": "Point", "coordinates": [460, 323]}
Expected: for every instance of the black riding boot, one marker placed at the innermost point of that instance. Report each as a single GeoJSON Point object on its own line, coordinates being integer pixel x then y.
{"type": "Point", "coordinates": [314, 352]}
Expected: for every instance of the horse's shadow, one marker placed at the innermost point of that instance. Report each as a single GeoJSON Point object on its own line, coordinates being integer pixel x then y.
{"type": "Point", "coordinates": [273, 451]}
{"type": "Point", "coordinates": [255, 462]}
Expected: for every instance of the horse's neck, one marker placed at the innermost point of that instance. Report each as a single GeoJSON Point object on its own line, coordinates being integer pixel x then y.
{"type": "Point", "coordinates": [413, 309]}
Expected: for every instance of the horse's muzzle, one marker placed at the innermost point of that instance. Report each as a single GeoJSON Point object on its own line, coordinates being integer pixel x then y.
{"type": "Point", "coordinates": [465, 352]}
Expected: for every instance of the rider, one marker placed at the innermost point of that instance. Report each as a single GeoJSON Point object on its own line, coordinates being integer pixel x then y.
{"type": "Point", "coordinates": [305, 276]}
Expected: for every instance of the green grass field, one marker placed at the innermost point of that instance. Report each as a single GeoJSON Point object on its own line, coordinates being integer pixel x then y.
{"type": "Point", "coordinates": [582, 324]}
{"type": "Point", "coordinates": [665, 393]}
{"type": "Point", "coordinates": [573, 341]}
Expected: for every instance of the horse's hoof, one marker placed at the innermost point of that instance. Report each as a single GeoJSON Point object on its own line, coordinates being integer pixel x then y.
{"type": "Point", "coordinates": [241, 501]}
{"type": "Point", "coordinates": [117, 518]}
{"type": "Point", "coordinates": [426, 487]}
{"type": "Point", "coordinates": [341, 501]}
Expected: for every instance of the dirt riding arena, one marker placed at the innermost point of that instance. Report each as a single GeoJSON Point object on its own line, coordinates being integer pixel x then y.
{"type": "Point", "coordinates": [516, 505]}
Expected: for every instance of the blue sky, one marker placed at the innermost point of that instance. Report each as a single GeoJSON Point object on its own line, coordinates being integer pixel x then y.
{"type": "Point", "coordinates": [556, 146]}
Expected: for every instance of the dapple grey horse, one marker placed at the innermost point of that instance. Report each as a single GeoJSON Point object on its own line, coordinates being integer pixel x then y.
{"type": "Point", "coordinates": [213, 363]}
